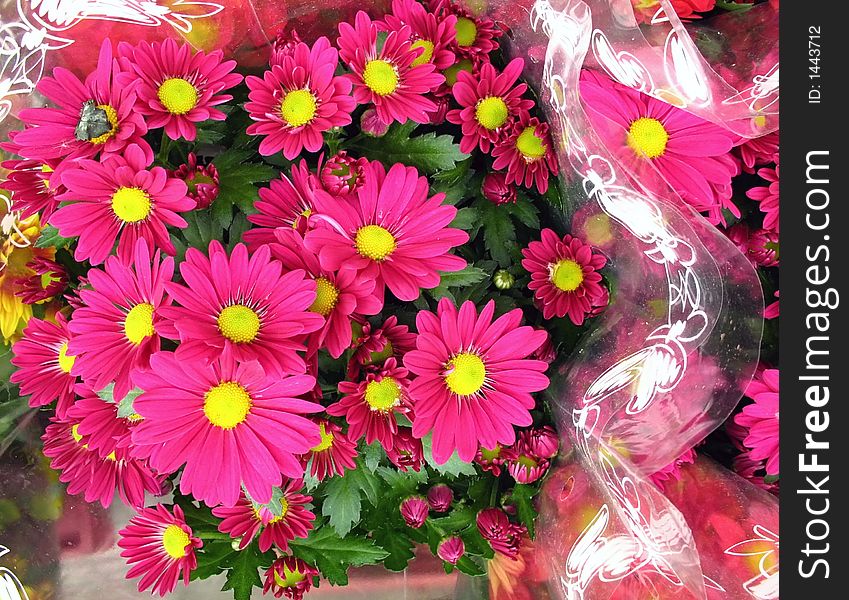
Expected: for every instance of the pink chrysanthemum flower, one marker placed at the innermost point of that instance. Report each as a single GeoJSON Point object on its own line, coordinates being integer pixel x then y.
{"type": "Point", "coordinates": [369, 406]}
{"type": "Point", "coordinates": [435, 36]}
{"type": "Point", "coordinates": [758, 151]}
{"type": "Point", "coordinates": [245, 305]}
{"type": "Point", "coordinates": [746, 466]}
{"type": "Point", "coordinates": [473, 381]}
{"type": "Point", "coordinates": [201, 180]}
{"type": "Point", "coordinates": [525, 464]}
{"type": "Point", "coordinates": [440, 497]}
{"type": "Point", "coordinates": [414, 510]}
{"type": "Point", "coordinates": [339, 294]}
{"type": "Point", "coordinates": [177, 87]}
{"type": "Point", "coordinates": [387, 77]}
{"type": "Point", "coordinates": [489, 104]}
{"type": "Point", "coordinates": [33, 186]}
{"type": "Point", "coordinates": [44, 365]}
{"type": "Point", "coordinates": [228, 422]}
{"type": "Point", "coordinates": [474, 36]}
{"type": "Point", "coordinates": [393, 233]}
{"type": "Point", "coordinates": [373, 345]}
{"type": "Point", "coordinates": [672, 471]}
{"type": "Point", "coordinates": [58, 132]}
{"type": "Point", "coordinates": [118, 326]}
{"type": "Point", "coordinates": [98, 422]}
{"type": "Point", "coordinates": [526, 153]}
{"type": "Point", "coordinates": [451, 549]}
{"type": "Point", "coordinates": [49, 280]}
{"type": "Point", "coordinates": [406, 451]}
{"type": "Point", "coordinates": [504, 537]}
{"type": "Point", "coordinates": [120, 198]}
{"type": "Point", "coordinates": [492, 459]}
{"type": "Point", "coordinates": [767, 196]}
{"type": "Point", "coordinates": [761, 419]}
{"type": "Point", "coordinates": [289, 576]}
{"type": "Point", "coordinates": [286, 203]}
{"type": "Point", "coordinates": [295, 102]}
{"type": "Point", "coordinates": [96, 477]}
{"type": "Point", "coordinates": [662, 143]}
{"type": "Point", "coordinates": [332, 455]}
{"type": "Point", "coordinates": [245, 519]}
{"type": "Point", "coordinates": [342, 174]}
{"type": "Point", "coordinates": [564, 276]}
{"type": "Point", "coordinates": [760, 246]}
{"type": "Point", "coordinates": [161, 547]}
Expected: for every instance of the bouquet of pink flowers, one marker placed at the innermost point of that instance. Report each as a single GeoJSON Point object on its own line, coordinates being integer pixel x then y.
{"type": "Point", "coordinates": [301, 314]}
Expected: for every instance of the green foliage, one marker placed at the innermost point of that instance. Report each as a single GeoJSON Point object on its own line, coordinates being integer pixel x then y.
{"type": "Point", "coordinates": [499, 232]}
{"type": "Point", "coordinates": [453, 466]}
{"type": "Point", "coordinates": [522, 497]}
{"type": "Point", "coordinates": [428, 152]}
{"type": "Point", "coordinates": [243, 572]}
{"type": "Point", "coordinates": [50, 238]}
{"type": "Point", "coordinates": [334, 554]}
{"type": "Point", "coordinates": [237, 179]}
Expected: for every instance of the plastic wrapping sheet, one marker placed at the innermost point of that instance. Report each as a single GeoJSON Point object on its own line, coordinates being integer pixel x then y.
{"type": "Point", "coordinates": [672, 354]}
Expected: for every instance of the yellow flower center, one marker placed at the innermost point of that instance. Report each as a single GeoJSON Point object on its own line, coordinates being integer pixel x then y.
{"type": "Point", "coordinates": [178, 96]}
{"type": "Point", "coordinates": [326, 296]}
{"type": "Point", "coordinates": [648, 137]}
{"type": "Point", "coordinates": [426, 56]}
{"type": "Point", "coordinates": [529, 145]}
{"type": "Point", "coordinates": [46, 182]}
{"type": "Point", "coordinates": [75, 433]}
{"type": "Point", "coordinates": [139, 323]}
{"type": "Point", "coordinates": [759, 121]}
{"type": "Point", "coordinates": [289, 579]}
{"type": "Point", "coordinates": [238, 323]}
{"type": "Point", "coordinates": [383, 395]}
{"type": "Point", "coordinates": [488, 454]}
{"type": "Point", "coordinates": [566, 275]}
{"type": "Point", "coordinates": [467, 32]}
{"type": "Point", "coordinates": [491, 112]}
{"type": "Point", "coordinates": [66, 361]}
{"type": "Point", "coordinates": [130, 204]}
{"type": "Point", "coordinates": [380, 77]}
{"type": "Point", "coordinates": [112, 117]}
{"type": "Point", "coordinates": [465, 374]}
{"type": "Point", "coordinates": [326, 439]}
{"type": "Point", "coordinates": [227, 404]}
{"type": "Point", "coordinates": [284, 508]}
{"type": "Point", "coordinates": [375, 242]}
{"type": "Point", "coordinates": [175, 540]}
{"type": "Point", "coordinates": [464, 64]}
{"type": "Point", "coordinates": [298, 107]}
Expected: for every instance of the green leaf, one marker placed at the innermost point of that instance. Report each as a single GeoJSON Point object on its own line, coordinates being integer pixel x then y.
{"type": "Point", "coordinates": [237, 177]}
{"type": "Point", "coordinates": [397, 544]}
{"type": "Point", "coordinates": [372, 455]}
{"type": "Point", "coordinates": [243, 574]}
{"type": "Point", "coordinates": [523, 497]}
{"type": "Point", "coordinates": [428, 153]}
{"type": "Point", "coordinates": [470, 567]}
{"type": "Point", "coordinates": [499, 234]}
{"type": "Point", "coordinates": [365, 479]}
{"type": "Point", "coordinates": [466, 219]}
{"type": "Point", "coordinates": [333, 554]}
{"type": "Point", "coordinates": [50, 238]}
{"type": "Point", "coordinates": [469, 275]}
{"type": "Point", "coordinates": [215, 556]}
{"type": "Point", "coordinates": [457, 520]}
{"type": "Point", "coordinates": [202, 229]}
{"type": "Point", "coordinates": [524, 211]}
{"type": "Point", "coordinates": [453, 466]}
{"type": "Point", "coordinates": [342, 503]}
{"type": "Point", "coordinates": [237, 228]}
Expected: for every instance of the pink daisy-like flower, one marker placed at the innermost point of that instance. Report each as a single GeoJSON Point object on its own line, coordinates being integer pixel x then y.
{"type": "Point", "coordinates": [33, 187]}
{"type": "Point", "coordinates": [435, 36]}
{"type": "Point", "coordinates": [245, 519]}
{"type": "Point", "coordinates": [343, 174]}
{"type": "Point", "coordinates": [289, 576]}
{"type": "Point", "coordinates": [373, 345]}
{"type": "Point", "coordinates": [772, 310]}
{"type": "Point", "coordinates": [369, 406]}
{"type": "Point", "coordinates": [760, 246]}
{"type": "Point", "coordinates": [767, 196]}
{"type": "Point", "coordinates": [672, 471]}
{"type": "Point", "coordinates": [120, 198]}
{"type": "Point", "coordinates": [177, 87]}
{"type": "Point", "coordinates": [474, 36]}
{"type": "Point", "coordinates": [490, 102]}
{"type": "Point", "coordinates": [761, 419]}
{"type": "Point", "coordinates": [758, 151]}
{"type": "Point", "coordinates": [44, 365]}
{"type": "Point", "coordinates": [661, 143]}
{"type": "Point", "coordinates": [333, 454]}
{"type": "Point", "coordinates": [393, 233]}
{"type": "Point", "coordinates": [386, 77]}
{"type": "Point", "coordinates": [473, 381]}
{"type": "Point", "coordinates": [526, 153]}
{"type": "Point", "coordinates": [295, 102]}
{"type": "Point", "coordinates": [228, 422]}
{"type": "Point", "coordinates": [118, 326]}
{"type": "Point", "coordinates": [161, 547]}
{"type": "Point", "coordinates": [286, 203]}
{"type": "Point", "coordinates": [201, 180]}
{"type": "Point", "coordinates": [338, 294]}
{"type": "Point", "coordinates": [451, 549]}
{"type": "Point", "coordinates": [242, 304]}
{"type": "Point", "coordinates": [98, 422]}
{"type": "Point", "coordinates": [406, 451]}
{"type": "Point", "coordinates": [48, 281]}
{"type": "Point", "coordinates": [414, 511]}
{"type": "Point", "coordinates": [59, 132]}
{"type": "Point", "coordinates": [495, 527]}
{"type": "Point", "coordinates": [439, 498]}
{"type": "Point", "coordinates": [564, 276]}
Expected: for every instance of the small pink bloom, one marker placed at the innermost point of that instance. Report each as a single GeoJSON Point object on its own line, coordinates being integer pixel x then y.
{"type": "Point", "coordinates": [542, 441]}
{"type": "Point", "coordinates": [333, 454]}
{"type": "Point", "coordinates": [496, 189]}
{"type": "Point", "coordinates": [406, 451]}
{"type": "Point", "coordinates": [767, 196]}
{"type": "Point", "coordinates": [527, 153]}
{"type": "Point", "coordinates": [414, 510]}
{"type": "Point", "coordinates": [202, 181]}
{"type": "Point", "coordinates": [758, 151]}
{"type": "Point", "coordinates": [491, 459]}
{"type": "Point", "coordinates": [451, 549]}
{"type": "Point", "coordinates": [373, 345]}
{"type": "Point", "coordinates": [342, 174]}
{"type": "Point", "coordinates": [440, 497]}
{"type": "Point", "coordinates": [526, 465]}
{"type": "Point", "coordinates": [672, 471]}
{"type": "Point", "coordinates": [286, 203]}
{"type": "Point", "coordinates": [496, 528]}
{"type": "Point", "coordinates": [32, 183]}
{"type": "Point", "coordinates": [48, 281]}
{"type": "Point", "coordinates": [474, 36]}
{"type": "Point", "coordinates": [289, 576]}
{"type": "Point", "coordinates": [283, 45]}
{"type": "Point", "coordinates": [771, 311]}
{"type": "Point", "coordinates": [434, 35]}
{"type": "Point", "coordinates": [760, 419]}
{"type": "Point", "coordinates": [372, 124]}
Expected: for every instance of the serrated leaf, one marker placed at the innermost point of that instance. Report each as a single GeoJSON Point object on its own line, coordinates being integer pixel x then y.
{"type": "Point", "coordinates": [237, 177]}
{"type": "Point", "coordinates": [372, 455]}
{"type": "Point", "coordinates": [237, 228]}
{"type": "Point", "coordinates": [342, 503]}
{"type": "Point", "coordinates": [470, 567]}
{"type": "Point", "coordinates": [243, 574]}
{"type": "Point", "coordinates": [453, 466]}
{"type": "Point", "coordinates": [50, 238]}
{"type": "Point", "coordinates": [457, 520]}
{"type": "Point", "coordinates": [469, 275]}
{"type": "Point", "coordinates": [524, 211]}
{"type": "Point", "coordinates": [499, 233]}
{"type": "Point", "coordinates": [215, 556]}
{"type": "Point", "coordinates": [333, 554]}
{"type": "Point", "coordinates": [397, 544]}
{"type": "Point", "coordinates": [366, 481]}
{"type": "Point", "coordinates": [467, 218]}
{"type": "Point", "coordinates": [523, 497]}
{"type": "Point", "coordinates": [201, 229]}
{"type": "Point", "coordinates": [428, 153]}
{"type": "Point", "coordinates": [440, 292]}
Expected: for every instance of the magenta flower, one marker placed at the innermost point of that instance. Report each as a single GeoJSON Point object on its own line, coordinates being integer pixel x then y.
{"type": "Point", "coordinates": [177, 87]}
{"type": "Point", "coordinates": [343, 174]}
{"type": "Point", "coordinates": [202, 181]}
{"type": "Point", "coordinates": [492, 459]}
{"type": "Point", "coordinates": [760, 419]}
{"type": "Point", "coordinates": [451, 549]}
{"type": "Point", "coordinates": [473, 381]}
{"type": "Point", "coordinates": [767, 196]}
{"type": "Point", "coordinates": [526, 153]}
{"type": "Point", "coordinates": [434, 35]}
{"type": "Point", "coordinates": [243, 304]}
{"type": "Point", "coordinates": [229, 423]}
{"type": "Point", "coordinates": [772, 310]}
{"type": "Point", "coordinates": [373, 345]}
{"type": "Point", "coordinates": [286, 203]}
{"type": "Point", "coordinates": [160, 546]}
{"type": "Point", "coordinates": [117, 326]}
{"type": "Point", "coordinates": [289, 576]}
{"type": "Point", "coordinates": [120, 198]}
{"type": "Point", "coordinates": [758, 151]}
{"type": "Point", "coordinates": [52, 131]}
{"type": "Point", "coordinates": [295, 102]}
{"type": "Point", "coordinates": [490, 102]}
{"type": "Point", "coordinates": [392, 232]}
{"type": "Point", "coordinates": [97, 421]}
{"type": "Point", "coordinates": [564, 276]}
{"type": "Point", "coordinates": [32, 183]}
{"type": "Point", "coordinates": [439, 498]}
{"type": "Point", "coordinates": [474, 35]}
{"type": "Point", "coordinates": [496, 189]}
{"type": "Point", "coordinates": [496, 528]}
{"type": "Point", "coordinates": [525, 463]}
{"type": "Point", "coordinates": [672, 471]}
{"type": "Point", "coordinates": [333, 454]}
{"type": "Point", "coordinates": [48, 280]}
{"type": "Point", "coordinates": [406, 451]}
{"type": "Point", "coordinates": [414, 510]}
{"type": "Point", "coordinates": [386, 77]}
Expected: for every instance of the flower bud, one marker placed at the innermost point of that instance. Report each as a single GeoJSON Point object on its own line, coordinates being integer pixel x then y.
{"type": "Point", "coordinates": [503, 280]}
